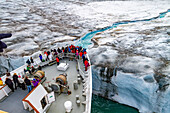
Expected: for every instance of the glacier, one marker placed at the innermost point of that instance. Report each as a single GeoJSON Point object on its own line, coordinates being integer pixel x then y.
{"type": "Point", "coordinates": [130, 62]}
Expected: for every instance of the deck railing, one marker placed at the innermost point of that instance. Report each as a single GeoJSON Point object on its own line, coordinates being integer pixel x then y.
{"type": "Point", "coordinates": [87, 76]}
{"type": "Point", "coordinates": [4, 91]}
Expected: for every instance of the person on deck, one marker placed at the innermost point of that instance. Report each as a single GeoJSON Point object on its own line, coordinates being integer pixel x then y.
{"type": "Point", "coordinates": [32, 69]}
{"type": "Point", "coordinates": [35, 82]}
{"type": "Point", "coordinates": [40, 56]}
{"type": "Point", "coordinates": [69, 50]}
{"type": "Point", "coordinates": [32, 61]}
{"type": "Point", "coordinates": [84, 58]}
{"type": "Point", "coordinates": [46, 55]}
{"type": "Point", "coordinates": [29, 69]}
{"type": "Point", "coordinates": [52, 54]}
{"type": "Point", "coordinates": [80, 48]}
{"type": "Point", "coordinates": [25, 71]}
{"type": "Point", "coordinates": [15, 79]}
{"type": "Point", "coordinates": [28, 83]}
{"type": "Point", "coordinates": [77, 55]}
{"type": "Point", "coordinates": [55, 52]}
{"type": "Point", "coordinates": [84, 51]}
{"type": "Point", "coordinates": [62, 49]}
{"type": "Point", "coordinates": [21, 81]}
{"type": "Point", "coordinates": [28, 62]}
{"type": "Point", "coordinates": [50, 57]}
{"type": "Point", "coordinates": [1, 82]}
{"type": "Point", "coordinates": [81, 53]}
{"type": "Point", "coordinates": [65, 51]}
{"type": "Point", "coordinates": [86, 63]}
{"type": "Point", "coordinates": [9, 83]}
{"type": "Point", "coordinates": [39, 67]}
{"type": "Point", "coordinates": [73, 50]}
{"type": "Point", "coordinates": [57, 60]}
{"type": "Point", "coordinates": [8, 74]}
{"type": "Point", "coordinates": [59, 50]}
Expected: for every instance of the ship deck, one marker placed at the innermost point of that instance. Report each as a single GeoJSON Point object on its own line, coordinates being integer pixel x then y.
{"type": "Point", "coordinates": [58, 105]}
{"type": "Point", "coordinates": [13, 103]}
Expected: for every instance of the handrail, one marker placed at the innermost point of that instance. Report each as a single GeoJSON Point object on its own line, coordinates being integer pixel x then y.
{"type": "Point", "coordinates": [82, 73]}
{"type": "Point", "coordinates": [4, 90]}
{"type": "Point", "coordinates": [89, 87]}
{"type": "Point", "coordinates": [2, 87]}
{"type": "Point", "coordinates": [90, 90]}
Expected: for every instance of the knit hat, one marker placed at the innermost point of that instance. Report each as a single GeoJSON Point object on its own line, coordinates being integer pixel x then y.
{"type": "Point", "coordinates": [15, 74]}
{"type": "Point", "coordinates": [19, 76]}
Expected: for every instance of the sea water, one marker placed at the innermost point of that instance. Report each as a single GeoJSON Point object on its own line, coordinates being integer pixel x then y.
{"type": "Point", "coordinates": [103, 105]}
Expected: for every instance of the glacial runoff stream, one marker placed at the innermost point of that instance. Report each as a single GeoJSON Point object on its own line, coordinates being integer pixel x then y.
{"type": "Point", "coordinates": [86, 40]}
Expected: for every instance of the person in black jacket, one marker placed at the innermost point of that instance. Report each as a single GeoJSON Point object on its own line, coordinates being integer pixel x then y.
{"type": "Point", "coordinates": [28, 62]}
{"type": "Point", "coordinates": [28, 83]}
{"type": "Point", "coordinates": [15, 79]}
{"type": "Point", "coordinates": [39, 67]}
{"type": "Point", "coordinates": [32, 61]}
{"type": "Point", "coordinates": [59, 50]}
{"type": "Point", "coordinates": [8, 82]}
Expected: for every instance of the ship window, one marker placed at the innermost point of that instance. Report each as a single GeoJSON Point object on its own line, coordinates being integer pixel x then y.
{"type": "Point", "coordinates": [43, 102]}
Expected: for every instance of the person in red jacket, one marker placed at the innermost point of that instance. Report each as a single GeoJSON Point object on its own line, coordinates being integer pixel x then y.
{"type": "Point", "coordinates": [85, 52]}
{"type": "Point", "coordinates": [86, 63]}
{"type": "Point", "coordinates": [57, 60]}
{"type": "Point", "coordinates": [46, 55]}
{"type": "Point", "coordinates": [81, 53]}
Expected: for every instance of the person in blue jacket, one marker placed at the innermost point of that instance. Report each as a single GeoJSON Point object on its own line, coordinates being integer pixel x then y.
{"type": "Point", "coordinates": [40, 56]}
